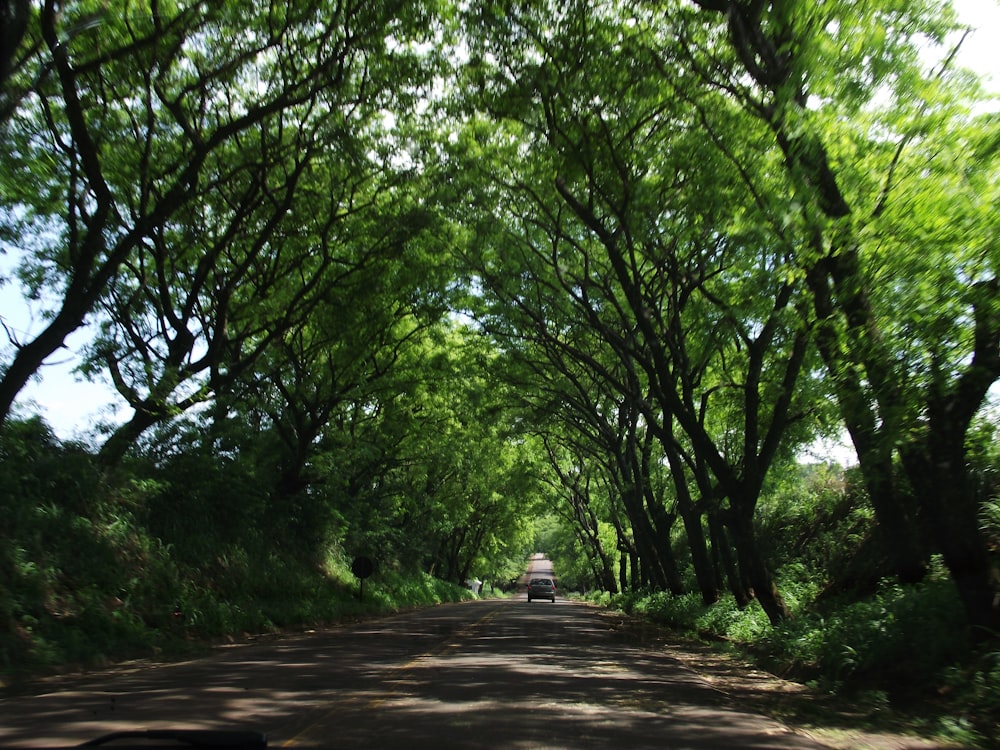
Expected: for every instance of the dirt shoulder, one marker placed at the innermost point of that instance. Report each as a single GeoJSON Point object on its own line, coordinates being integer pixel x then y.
{"type": "Point", "coordinates": [840, 723]}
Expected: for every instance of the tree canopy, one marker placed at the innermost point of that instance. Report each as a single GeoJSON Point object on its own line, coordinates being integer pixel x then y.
{"type": "Point", "coordinates": [438, 281]}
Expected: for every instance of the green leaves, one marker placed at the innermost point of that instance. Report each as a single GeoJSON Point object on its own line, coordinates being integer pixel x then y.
{"type": "Point", "coordinates": [399, 238]}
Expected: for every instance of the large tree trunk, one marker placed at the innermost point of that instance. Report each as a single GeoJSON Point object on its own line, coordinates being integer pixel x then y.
{"type": "Point", "coordinates": [125, 436]}
{"type": "Point", "coordinates": [937, 470]}
{"type": "Point", "coordinates": [898, 527]}
{"type": "Point", "coordinates": [87, 276]}
{"type": "Point", "coordinates": [31, 356]}
{"type": "Point", "coordinates": [661, 520]}
{"type": "Point", "coordinates": [14, 18]}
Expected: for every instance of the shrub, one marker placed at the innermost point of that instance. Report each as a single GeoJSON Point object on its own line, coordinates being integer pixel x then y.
{"type": "Point", "coordinates": [977, 687]}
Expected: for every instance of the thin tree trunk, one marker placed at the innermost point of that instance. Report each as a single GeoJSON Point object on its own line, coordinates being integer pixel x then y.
{"type": "Point", "coordinates": [691, 517]}
{"type": "Point", "coordinates": [752, 564]}
{"type": "Point", "coordinates": [722, 551]}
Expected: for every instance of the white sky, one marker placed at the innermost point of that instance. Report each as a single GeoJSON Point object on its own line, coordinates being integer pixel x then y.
{"type": "Point", "coordinates": [979, 50]}
{"type": "Point", "coordinates": [73, 407]}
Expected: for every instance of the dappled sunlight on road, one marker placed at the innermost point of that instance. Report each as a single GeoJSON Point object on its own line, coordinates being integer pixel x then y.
{"type": "Point", "coordinates": [548, 677]}
{"type": "Point", "coordinates": [482, 674]}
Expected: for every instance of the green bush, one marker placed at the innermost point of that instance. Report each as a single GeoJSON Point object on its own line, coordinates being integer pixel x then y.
{"type": "Point", "coordinates": [977, 687]}
{"type": "Point", "coordinates": [162, 556]}
{"type": "Point", "coordinates": [681, 612]}
{"type": "Point", "coordinates": [901, 636]}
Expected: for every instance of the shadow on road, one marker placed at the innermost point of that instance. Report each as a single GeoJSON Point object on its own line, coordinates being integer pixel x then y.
{"type": "Point", "coordinates": [500, 673]}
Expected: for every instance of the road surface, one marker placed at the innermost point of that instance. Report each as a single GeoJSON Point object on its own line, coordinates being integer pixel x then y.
{"type": "Point", "coordinates": [484, 674]}
{"type": "Point", "coordinates": [540, 567]}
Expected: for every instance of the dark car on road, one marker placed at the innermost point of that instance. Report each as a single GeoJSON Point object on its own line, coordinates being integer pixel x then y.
{"type": "Point", "coordinates": [542, 588]}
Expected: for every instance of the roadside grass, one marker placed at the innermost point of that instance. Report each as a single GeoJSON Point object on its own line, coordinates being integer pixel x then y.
{"type": "Point", "coordinates": [174, 611]}
{"type": "Point", "coordinates": [96, 569]}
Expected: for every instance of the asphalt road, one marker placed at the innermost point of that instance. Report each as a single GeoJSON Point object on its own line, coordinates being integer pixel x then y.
{"type": "Point", "coordinates": [539, 567]}
{"type": "Point", "coordinates": [484, 674]}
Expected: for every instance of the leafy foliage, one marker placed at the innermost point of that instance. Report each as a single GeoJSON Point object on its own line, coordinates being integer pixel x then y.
{"type": "Point", "coordinates": [445, 283]}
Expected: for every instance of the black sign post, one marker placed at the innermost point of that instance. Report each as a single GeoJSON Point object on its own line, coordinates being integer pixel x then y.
{"type": "Point", "coordinates": [362, 567]}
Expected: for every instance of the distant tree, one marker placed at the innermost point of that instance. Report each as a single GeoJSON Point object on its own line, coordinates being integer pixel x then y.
{"type": "Point", "coordinates": [622, 208]}
{"type": "Point", "coordinates": [575, 486]}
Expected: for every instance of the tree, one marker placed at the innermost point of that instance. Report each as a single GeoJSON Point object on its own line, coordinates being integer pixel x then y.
{"type": "Point", "coordinates": [14, 16]}
{"type": "Point", "coordinates": [649, 234]}
{"type": "Point", "coordinates": [910, 384]}
{"type": "Point", "coordinates": [209, 294]}
{"type": "Point", "coordinates": [574, 483]}
{"type": "Point", "coordinates": [121, 141]}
